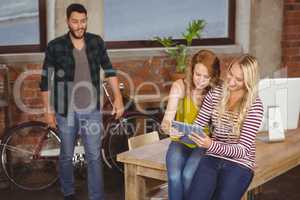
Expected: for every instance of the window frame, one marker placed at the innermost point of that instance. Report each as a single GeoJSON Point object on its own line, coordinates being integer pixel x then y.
{"type": "Point", "coordinates": [196, 42]}
{"type": "Point", "coordinates": [31, 48]}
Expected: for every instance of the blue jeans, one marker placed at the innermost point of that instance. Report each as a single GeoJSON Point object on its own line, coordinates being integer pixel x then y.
{"type": "Point", "coordinates": [182, 163]}
{"type": "Point", "coordinates": [219, 179]}
{"type": "Point", "coordinates": [88, 125]}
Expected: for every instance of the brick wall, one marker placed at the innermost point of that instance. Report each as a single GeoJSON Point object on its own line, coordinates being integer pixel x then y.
{"type": "Point", "coordinates": [146, 75]}
{"type": "Point", "coordinates": [29, 94]}
{"type": "Point", "coordinates": [291, 37]}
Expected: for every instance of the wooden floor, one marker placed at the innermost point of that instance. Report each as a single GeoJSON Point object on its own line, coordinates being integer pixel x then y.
{"type": "Point", "coordinates": [285, 187]}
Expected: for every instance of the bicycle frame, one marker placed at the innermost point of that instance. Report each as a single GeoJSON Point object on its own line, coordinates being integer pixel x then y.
{"type": "Point", "coordinates": [54, 153]}
{"type": "Point", "coordinates": [40, 154]}
{"type": "Point", "coordinates": [40, 150]}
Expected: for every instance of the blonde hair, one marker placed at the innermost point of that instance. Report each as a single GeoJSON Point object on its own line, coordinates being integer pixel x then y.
{"type": "Point", "coordinates": [211, 62]}
{"type": "Point", "coordinates": [249, 66]}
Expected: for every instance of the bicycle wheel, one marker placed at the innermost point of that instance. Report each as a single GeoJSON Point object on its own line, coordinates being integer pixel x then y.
{"type": "Point", "coordinates": [117, 134]}
{"type": "Point", "coordinates": [20, 162]}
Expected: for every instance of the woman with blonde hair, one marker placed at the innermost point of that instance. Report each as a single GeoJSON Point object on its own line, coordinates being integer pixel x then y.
{"type": "Point", "coordinates": [236, 112]}
{"type": "Point", "coordinates": [185, 99]}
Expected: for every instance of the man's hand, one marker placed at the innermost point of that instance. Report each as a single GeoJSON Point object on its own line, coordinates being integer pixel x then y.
{"type": "Point", "coordinates": [49, 116]}
{"type": "Point", "coordinates": [51, 119]}
{"type": "Point", "coordinates": [118, 108]}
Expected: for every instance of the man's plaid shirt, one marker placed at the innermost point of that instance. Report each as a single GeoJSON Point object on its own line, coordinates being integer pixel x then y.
{"type": "Point", "coordinates": [59, 67]}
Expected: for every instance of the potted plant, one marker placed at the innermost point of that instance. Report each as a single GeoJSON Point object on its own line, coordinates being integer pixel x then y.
{"type": "Point", "coordinates": [179, 52]}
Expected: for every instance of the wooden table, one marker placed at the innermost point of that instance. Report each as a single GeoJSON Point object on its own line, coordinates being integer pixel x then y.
{"type": "Point", "coordinates": [273, 159]}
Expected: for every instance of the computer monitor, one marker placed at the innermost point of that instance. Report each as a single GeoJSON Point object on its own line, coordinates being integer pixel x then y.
{"type": "Point", "coordinates": [284, 93]}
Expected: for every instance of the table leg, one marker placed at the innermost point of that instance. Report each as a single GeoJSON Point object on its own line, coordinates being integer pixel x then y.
{"type": "Point", "coordinates": [245, 197]}
{"type": "Point", "coordinates": [135, 185]}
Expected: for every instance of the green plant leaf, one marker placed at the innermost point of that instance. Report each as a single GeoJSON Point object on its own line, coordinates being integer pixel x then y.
{"type": "Point", "coordinates": [193, 30]}
{"type": "Point", "coordinates": [165, 41]}
{"type": "Point", "coordinates": [179, 51]}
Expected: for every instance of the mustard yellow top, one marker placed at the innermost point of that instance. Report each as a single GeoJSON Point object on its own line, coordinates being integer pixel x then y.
{"type": "Point", "coordinates": [186, 112]}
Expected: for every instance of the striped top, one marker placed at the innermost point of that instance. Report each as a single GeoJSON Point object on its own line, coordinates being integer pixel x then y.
{"type": "Point", "coordinates": [239, 149]}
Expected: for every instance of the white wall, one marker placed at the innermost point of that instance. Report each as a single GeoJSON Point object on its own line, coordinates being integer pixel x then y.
{"type": "Point", "coordinates": [95, 15]}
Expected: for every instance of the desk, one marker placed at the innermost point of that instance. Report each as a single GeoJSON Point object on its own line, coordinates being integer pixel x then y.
{"type": "Point", "coordinates": [273, 159]}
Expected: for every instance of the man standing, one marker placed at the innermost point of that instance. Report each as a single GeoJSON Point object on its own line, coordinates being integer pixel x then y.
{"type": "Point", "coordinates": [72, 65]}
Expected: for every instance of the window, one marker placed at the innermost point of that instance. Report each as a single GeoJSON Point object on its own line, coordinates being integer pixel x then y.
{"type": "Point", "coordinates": [22, 26]}
{"type": "Point", "coordinates": [134, 23]}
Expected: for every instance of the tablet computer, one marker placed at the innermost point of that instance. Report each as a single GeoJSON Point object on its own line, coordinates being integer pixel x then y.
{"type": "Point", "coordinates": [187, 129]}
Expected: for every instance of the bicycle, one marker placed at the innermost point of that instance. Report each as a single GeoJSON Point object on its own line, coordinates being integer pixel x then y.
{"type": "Point", "coordinates": [30, 150]}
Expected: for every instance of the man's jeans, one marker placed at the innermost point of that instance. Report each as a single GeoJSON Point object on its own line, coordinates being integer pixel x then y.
{"type": "Point", "coordinates": [89, 126]}
{"type": "Point", "coordinates": [182, 163]}
{"type": "Point", "coordinates": [219, 179]}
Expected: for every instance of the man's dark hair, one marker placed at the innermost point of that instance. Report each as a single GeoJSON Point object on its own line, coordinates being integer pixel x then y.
{"type": "Point", "coordinates": [75, 7]}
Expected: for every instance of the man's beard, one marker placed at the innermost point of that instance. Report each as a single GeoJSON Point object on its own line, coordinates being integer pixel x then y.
{"type": "Point", "coordinates": [75, 36]}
